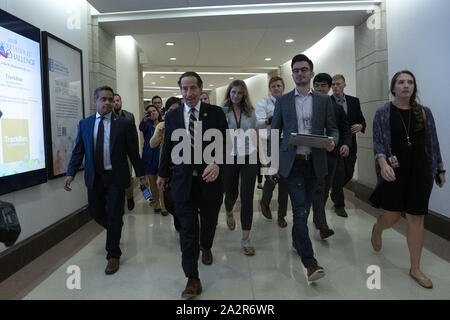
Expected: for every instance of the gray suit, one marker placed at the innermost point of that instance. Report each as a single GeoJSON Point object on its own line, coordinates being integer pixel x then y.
{"type": "Point", "coordinates": [301, 174]}
{"type": "Point", "coordinates": [285, 118]}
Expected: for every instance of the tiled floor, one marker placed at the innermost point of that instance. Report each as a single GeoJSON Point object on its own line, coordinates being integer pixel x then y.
{"type": "Point", "coordinates": [151, 263]}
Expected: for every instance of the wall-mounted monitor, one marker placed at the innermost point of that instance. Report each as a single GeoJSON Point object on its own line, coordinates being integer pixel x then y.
{"type": "Point", "coordinates": [22, 147]}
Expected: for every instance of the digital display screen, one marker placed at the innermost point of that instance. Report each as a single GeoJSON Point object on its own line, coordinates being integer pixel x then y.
{"type": "Point", "coordinates": [22, 143]}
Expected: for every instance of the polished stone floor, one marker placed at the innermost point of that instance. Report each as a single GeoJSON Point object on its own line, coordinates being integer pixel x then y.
{"type": "Point", "coordinates": [151, 262]}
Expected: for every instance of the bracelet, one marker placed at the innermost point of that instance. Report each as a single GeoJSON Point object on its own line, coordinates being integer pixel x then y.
{"type": "Point", "coordinates": [440, 171]}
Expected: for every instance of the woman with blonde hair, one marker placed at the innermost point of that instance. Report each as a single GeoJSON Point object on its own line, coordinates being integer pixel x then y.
{"type": "Point", "coordinates": [240, 115]}
{"type": "Point", "coordinates": [408, 159]}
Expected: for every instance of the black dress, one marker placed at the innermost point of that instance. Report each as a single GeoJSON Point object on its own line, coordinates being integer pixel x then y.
{"type": "Point", "coordinates": [411, 190]}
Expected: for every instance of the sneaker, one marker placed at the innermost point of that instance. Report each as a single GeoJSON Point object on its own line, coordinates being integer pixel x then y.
{"type": "Point", "coordinates": [247, 247]}
{"type": "Point", "coordinates": [315, 272]}
{"type": "Point", "coordinates": [231, 223]}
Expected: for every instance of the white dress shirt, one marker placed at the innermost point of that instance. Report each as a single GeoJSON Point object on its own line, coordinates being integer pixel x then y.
{"type": "Point", "coordinates": [187, 114]}
{"type": "Point", "coordinates": [303, 107]}
{"type": "Point", "coordinates": [107, 135]}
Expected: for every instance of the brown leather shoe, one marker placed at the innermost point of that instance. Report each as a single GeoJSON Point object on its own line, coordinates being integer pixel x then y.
{"type": "Point", "coordinates": [193, 288]}
{"type": "Point", "coordinates": [265, 210]}
{"type": "Point", "coordinates": [341, 212]}
{"type": "Point", "coordinates": [207, 257]}
{"type": "Point", "coordinates": [282, 223]}
{"type": "Point", "coordinates": [113, 266]}
{"type": "Point", "coordinates": [315, 272]}
{"type": "Point", "coordinates": [325, 233]}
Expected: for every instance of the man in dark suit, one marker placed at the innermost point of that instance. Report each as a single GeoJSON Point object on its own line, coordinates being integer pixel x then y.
{"type": "Point", "coordinates": [194, 185]}
{"type": "Point", "coordinates": [304, 111]}
{"type": "Point", "coordinates": [105, 140]}
{"type": "Point", "coordinates": [127, 115]}
{"type": "Point", "coordinates": [322, 84]}
{"type": "Point", "coordinates": [346, 165]}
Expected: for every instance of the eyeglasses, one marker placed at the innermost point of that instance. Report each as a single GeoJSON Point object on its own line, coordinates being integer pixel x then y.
{"type": "Point", "coordinates": [300, 70]}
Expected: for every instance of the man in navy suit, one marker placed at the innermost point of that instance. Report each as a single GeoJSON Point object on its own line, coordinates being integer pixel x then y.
{"type": "Point", "coordinates": [345, 165]}
{"type": "Point", "coordinates": [304, 111]}
{"type": "Point", "coordinates": [105, 140]}
{"type": "Point", "coordinates": [194, 186]}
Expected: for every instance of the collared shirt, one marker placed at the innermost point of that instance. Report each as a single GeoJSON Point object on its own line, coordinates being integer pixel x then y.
{"type": "Point", "coordinates": [303, 106]}
{"type": "Point", "coordinates": [342, 102]}
{"type": "Point", "coordinates": [107, 135]}
{"type": "Point", "coordinates": [264, 110]}
{"type": "Point", "coordinates": [187, 114]}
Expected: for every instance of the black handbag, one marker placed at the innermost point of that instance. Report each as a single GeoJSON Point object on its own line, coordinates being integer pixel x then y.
{"type": "Point", "coordinates": [9, 224]}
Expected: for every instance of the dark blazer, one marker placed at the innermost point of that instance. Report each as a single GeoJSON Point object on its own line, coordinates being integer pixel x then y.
{"type": "Point", "coordinates": [124, 141]}
{"type": "Point", "coordinates": [128, 115]}
{"type": "Point", "coordinates": [345, 133]}
{"type": "Point", "coordinates": [354, 116]}
{"type": "Point", "coordinates": [285, 118]}
{"type": "Point", "coordinates": [212, 117]}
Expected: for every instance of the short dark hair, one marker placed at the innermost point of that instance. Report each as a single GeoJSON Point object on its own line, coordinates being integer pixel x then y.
{"type": "Point", "coordinates": [191, 74]}
{"type": "Point", "coordinates": [275, 79]}
{"type": "Point", "coordinates": [323, 77]}
{"type": "Point", "coordinates": [156, 97]}
{"type": "Point", "coordinates": [171, 101]}
{"type": "Point", "coordinates": [116, 94]}
{"type": "Point", "coordinates": [302, 57]}
{"type": "Point", "coordinates": [103, 88]}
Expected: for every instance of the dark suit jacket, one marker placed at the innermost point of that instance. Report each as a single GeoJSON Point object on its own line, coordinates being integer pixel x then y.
{"type": "Point", "coordinates": [285, 119]}
{"type": "Point", "coordinates": [345, 133]}
{"type": "Point", "coordinates": [128, 115]}
{"type": "Point", "coordinates": [212, 117]}
{"type": "Point", "coordinates": [124, 141]}
{"type": "Point", "coordinates": [354, 116]}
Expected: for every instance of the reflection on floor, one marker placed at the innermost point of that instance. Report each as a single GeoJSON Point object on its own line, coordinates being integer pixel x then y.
{"type": "Point", "coordinates": [151, 263]}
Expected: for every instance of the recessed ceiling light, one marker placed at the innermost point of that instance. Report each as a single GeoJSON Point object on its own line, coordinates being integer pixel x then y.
{"type": "Point", "coordinates": [211, 85]}
{"type": "Point", "coordinates": [231, 78]}
{"type": "Point", "coordinates": [170, 44]}
{"type": "Point", "coordinates": [153, 83]}
{"type": "Point", "coordinates": [173, 59]}
{"type": "Point", "coordinates": [289, 40]}
{"type": "Point", "coordinates": [162, 77]}
{"type": "Point", "coordinates": [268, 59]}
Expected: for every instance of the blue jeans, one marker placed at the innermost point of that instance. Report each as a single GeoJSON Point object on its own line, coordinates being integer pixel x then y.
{"type": "Point", "coordinates": [301, 183]}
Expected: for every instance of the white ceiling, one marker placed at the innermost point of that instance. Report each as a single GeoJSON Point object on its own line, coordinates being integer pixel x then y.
{"type": "Point", "coordinates": [231, 43]}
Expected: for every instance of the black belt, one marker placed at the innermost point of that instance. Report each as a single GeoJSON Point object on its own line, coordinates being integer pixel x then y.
{"type": "Point", "coordinates": [306, 157]}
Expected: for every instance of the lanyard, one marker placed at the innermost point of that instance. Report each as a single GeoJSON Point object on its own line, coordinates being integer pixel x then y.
{"type": "Point", "coordinates": [238, 123]}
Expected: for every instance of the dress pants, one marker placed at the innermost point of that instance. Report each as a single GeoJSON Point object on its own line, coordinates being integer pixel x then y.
{"type": "Point", "coordinates": [344, 173]}
{"type": "Point", "coordinates": [301, 183]}
{"type": "Point", "coordinates": [106, 205]}
{"type": "Point", "coordinates": [129, 192]}
{"type": "Point", "coordinates": [269, 186]}
{"type": "Point", "coordinates": [248, 173]}
{"type": "Point", "coordinates": [320, 196]}
{"type": "Point", "coordinates": [192, 234]}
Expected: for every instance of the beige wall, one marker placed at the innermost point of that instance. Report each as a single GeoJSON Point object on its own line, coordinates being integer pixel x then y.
{"type": "Point", "coordinates": [40, 206]}
{"type": "Point", "coordinates": [372, 90]}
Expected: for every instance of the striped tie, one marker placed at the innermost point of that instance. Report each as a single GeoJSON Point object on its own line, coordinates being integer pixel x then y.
{"type": "Point", "coordinates": [192, 120]}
